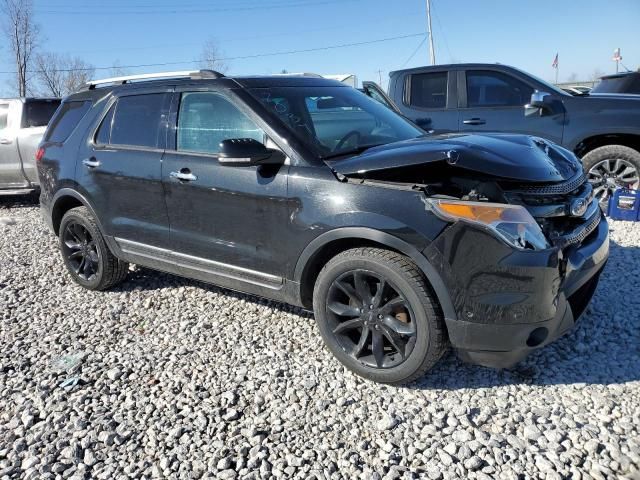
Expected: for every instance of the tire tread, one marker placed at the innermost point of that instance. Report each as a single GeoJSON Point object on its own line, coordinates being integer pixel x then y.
{"type": "Point", "coordinates": [114, 270]}
{"type": "Point", "coordinates": [439, 341]}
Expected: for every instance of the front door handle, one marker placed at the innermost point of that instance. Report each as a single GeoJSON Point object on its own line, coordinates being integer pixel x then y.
{"type": "Point", "coordinates": [91, 162]}
{"type": "Point", "coordinates": [474, 121]}
{"type": "Point", "coordinates": [5, 141]}
{"type": "Point", "coordinates": [183, 175]}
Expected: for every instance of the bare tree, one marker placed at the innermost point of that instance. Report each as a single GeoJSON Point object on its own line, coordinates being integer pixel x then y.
{"type": "Point", "coordinates": [61, 75]}
{"type": "Point", "coordinates": [22, 33]}
{"type": "Point", "coordinates": [210, 58]}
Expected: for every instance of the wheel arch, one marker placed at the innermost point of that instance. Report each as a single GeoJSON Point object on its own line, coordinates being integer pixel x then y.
{"type": "Point", "coordinates": [329, 244]}
{"type": "Point", "coordinates": [64, 200]}
{"type": "Point", "coordinates": [595, 141]}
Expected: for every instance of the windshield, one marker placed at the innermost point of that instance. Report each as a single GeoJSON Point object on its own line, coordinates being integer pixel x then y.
{"type": "Point", "coordinates": [548, 87]}
{"type": "Point", "coordinates": [335, 121]}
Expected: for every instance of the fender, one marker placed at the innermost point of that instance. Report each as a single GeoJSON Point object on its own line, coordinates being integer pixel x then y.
{"type": "Point", "coordinates": [383, 238]}
{"type": "Point", "coordinates": [70, 192]}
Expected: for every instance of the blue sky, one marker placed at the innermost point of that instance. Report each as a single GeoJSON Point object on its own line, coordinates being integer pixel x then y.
{"type": "Point", "coordinates": [523, 33]}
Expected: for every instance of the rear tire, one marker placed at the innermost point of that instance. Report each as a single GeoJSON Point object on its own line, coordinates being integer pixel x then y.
{"type": "Point", "coordinates": [85, 253]}
{"type": "Point", "coordinates": [391, 335]}
{"type": "Point", "coordinates": [611, 167]}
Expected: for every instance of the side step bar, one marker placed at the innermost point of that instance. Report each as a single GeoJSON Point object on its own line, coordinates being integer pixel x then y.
{"type": "Point", "coordinates": [18, 191]}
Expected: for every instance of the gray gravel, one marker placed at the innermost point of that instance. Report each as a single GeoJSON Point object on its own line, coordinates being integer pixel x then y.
{"type": "Point", "coordinates": [166, 377]}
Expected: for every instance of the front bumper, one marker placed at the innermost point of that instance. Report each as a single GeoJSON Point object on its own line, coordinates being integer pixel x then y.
{"type": "Point", "coordinates": [507, 302]}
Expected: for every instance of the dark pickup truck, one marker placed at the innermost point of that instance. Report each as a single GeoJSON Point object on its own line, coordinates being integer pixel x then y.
{"type": "Point", "coordinates": [603, 130]}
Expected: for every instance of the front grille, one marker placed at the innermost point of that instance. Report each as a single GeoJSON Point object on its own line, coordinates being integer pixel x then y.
{"type": "Point", "coordinates": [578, 234]}
{"type": "Point", "coordinates": [563, 188]}
{"type": "Point", "coordinates": [552, 205]}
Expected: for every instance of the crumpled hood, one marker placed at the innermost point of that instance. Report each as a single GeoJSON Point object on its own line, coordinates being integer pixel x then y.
{"type": "Point", "coordinates": [509, 156]}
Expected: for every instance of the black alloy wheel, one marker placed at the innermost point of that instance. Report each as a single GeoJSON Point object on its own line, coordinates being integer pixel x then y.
{"type": "Point", "coordinates": [377, 315]}
{"type": "Point", "coordinates": [370, 319]}
{"type": "Point", "coordinates": [86, 254]}
{"type": "Point", "coordinates": [81, 251]}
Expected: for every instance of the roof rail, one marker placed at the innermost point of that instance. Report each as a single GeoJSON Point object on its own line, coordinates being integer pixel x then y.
{"type": "Point", "coordinates": [198, 75]}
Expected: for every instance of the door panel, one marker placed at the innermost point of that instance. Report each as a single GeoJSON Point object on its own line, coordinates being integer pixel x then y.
{"type": "Point", "coordinates": [223, 218]}
{"type": "Point", "coordinates": [494, 102]}
{"type": "Point", "coordinates": [11, 175]}
{"type": "Point", "coordinates": [124, 182]}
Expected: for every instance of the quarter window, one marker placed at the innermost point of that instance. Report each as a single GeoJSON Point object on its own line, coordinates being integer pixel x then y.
{"type": "Point", "coordinates": [495, 89]}
{"type": "Point", "coordinates": [429, 90]}
{"type": "Point", "coordinates": [205, 119]}
{"type": "Point", "coordinates": [138, 120]}
{"type": "Point", "coordinates": [66, 120]}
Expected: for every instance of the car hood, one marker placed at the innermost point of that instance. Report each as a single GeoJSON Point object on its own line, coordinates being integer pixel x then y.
{"type": "Point", "coordinates": [514, 157]}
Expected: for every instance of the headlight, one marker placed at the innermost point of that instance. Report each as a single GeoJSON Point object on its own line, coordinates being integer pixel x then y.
{"type": "Point", "coordinates": [513, 223]}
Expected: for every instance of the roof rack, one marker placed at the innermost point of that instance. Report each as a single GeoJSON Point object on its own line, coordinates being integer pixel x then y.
{"type": "Point", "coordinates": [198, 75]}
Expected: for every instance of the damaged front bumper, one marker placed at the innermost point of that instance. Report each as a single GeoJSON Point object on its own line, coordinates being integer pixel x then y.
{"type": "Point", "coordinates": [510, 302]}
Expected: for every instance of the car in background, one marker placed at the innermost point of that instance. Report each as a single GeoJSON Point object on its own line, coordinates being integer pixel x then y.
{"type": "Point", "coordinates": [619, 83]}
{"type": "Point", "coordinates": [577, 89]}
{"type": "Point", "coordinates": [22, 125]}
{"type": "Point", "coordinates": [602, 130]}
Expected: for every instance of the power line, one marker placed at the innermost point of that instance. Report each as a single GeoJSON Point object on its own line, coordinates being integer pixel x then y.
{"type": "Point", "coordinates": [226, 39]}
{"type": "Point", "coordinates": [172, 10]}
{"type": "Point", "coordinates": [241, 57]}
{"type": "Point", "coordinates": [414, 52]}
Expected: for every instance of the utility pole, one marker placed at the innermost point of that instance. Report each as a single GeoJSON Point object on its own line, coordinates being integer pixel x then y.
{"type": "Point", "coordinates": [432, 52]}
{"type": "Point", "coordinates": [379, 72]}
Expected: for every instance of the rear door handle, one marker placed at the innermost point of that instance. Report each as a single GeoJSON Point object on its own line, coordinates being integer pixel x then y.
{"type": "Point", "coordinates": [5, 141]}
{"type": "Point", "coordinates": [91, 162]}
{"type": "Point", "coordinates": [183, 175]}
{"type": "Point", "coordinates": [474, 121]}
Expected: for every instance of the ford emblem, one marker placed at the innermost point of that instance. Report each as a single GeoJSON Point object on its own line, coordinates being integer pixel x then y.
{"type": "Point", "coordinates": [579, 207]}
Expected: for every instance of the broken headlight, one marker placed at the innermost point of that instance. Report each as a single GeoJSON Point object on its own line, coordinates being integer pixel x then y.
{"type": "Point", "coordinates": [513, 223]}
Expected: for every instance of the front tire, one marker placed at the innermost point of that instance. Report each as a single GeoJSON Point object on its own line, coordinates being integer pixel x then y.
{"type": "Point", "coordinates": [85, 253]}
{"type": "Point", "coordinates": [611, 167]}
{"type": "Point", "coordinates": [376, 314]}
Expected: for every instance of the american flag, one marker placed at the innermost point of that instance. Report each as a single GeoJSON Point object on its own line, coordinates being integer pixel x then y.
{"type": "Point", "coordinates": [555, 62]}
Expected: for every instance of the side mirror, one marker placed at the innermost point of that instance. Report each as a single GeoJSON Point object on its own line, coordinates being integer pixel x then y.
{"type": "Point", "coordinates": [245, 152]}
{"type": "Point", "coordinates": [538, 105]}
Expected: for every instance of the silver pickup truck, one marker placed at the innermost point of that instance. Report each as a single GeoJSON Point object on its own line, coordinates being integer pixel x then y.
{"type": "Point", "coordinates": [22, 124]}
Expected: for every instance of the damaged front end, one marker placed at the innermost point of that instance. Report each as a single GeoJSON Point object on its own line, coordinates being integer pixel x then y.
{"type": "Point", "coordinates": [526, 240]}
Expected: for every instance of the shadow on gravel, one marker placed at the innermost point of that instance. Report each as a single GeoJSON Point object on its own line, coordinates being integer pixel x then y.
{"type": "Point", "coordinates": [603, 348]}
{"type": "Point", "coordinates": [19, 201]}
{"type": "Point", "coordinates": [145, 279]}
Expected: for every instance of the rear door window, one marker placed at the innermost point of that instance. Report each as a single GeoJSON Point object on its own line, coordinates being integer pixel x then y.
{"type": "Point", "coordinates": [37, 113]}
{"type": "Point", "coordinates": [140, 120]}
{"type": "Point", "coordinates": [205, 119]}
{"type": "Point", "coordinates": [66, 120]}
{"type": "Point", "coordinates": [495, 89]}
{"type": "Point", "coordinates": [428, 90]}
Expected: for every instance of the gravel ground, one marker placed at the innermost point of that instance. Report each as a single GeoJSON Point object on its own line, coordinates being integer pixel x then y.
{"type": "Point", "coordinates": [167, 377]}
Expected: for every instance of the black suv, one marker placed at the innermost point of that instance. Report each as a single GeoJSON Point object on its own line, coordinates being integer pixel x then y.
{"type": "Point", "coordinates": [306, 191]}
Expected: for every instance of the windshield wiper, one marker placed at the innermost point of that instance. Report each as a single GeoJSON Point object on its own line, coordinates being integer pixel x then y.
{"type": "Point", "coordinates": [353, 151]}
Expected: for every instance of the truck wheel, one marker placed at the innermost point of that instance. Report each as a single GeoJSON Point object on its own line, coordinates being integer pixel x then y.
{"type": "Point", "coordinates": [611, 167]}
{"type": "Point", "coordinates": [85, 253]}
{"type": "Point", "coordinates": [376, 314]}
